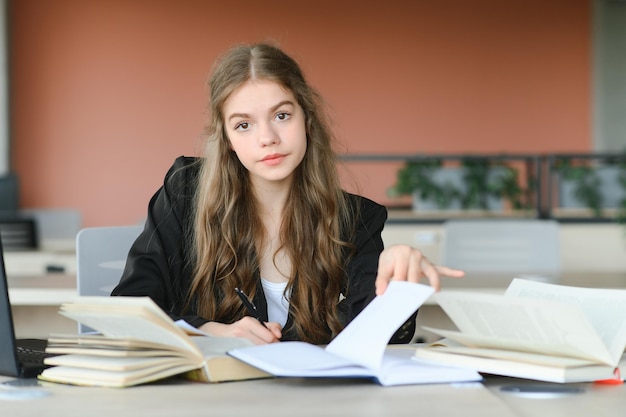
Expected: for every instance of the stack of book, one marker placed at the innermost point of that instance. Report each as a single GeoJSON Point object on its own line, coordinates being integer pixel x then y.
{"type": "Point", "coordinates": [138, 343]}
{"type": "Point", "coordinates": [536, 331]}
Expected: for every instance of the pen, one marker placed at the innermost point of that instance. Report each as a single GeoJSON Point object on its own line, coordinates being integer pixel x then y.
{"type": "Point", "coordinates": [249, 306]}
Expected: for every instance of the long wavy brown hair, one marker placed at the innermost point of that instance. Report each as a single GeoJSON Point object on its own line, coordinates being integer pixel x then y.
{"type": "Point", "coordinates": [228, 232]}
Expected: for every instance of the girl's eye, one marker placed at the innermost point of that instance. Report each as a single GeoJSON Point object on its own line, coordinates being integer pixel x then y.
{"type": "Point", "coordinates": [242, 126]}
{"type": "Point", "coordinates": [282, 116]}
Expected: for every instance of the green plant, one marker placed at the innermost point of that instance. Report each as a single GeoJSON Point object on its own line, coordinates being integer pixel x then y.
{"type": "Point", "coordinates": [476, 177]}
{"type": "Point", "coordinates": [417, 177]}
{"type": "Point", "coordinates": [480, 180]}
{"type": "Point", "coordinates": [508, 187]}
{"type": "Point", "coordinates": [504, 183]}
{"type": "Point", "coordinates": [586, 184]}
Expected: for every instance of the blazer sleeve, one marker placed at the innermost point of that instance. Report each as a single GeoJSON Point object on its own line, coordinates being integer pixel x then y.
{"type": "Point", "coordinates": [363, 267]}
{"type": "Point", "coordinates": [157, 265]}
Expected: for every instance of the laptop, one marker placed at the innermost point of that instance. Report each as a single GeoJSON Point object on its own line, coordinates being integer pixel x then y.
{"type": "Point", "coordinates": [21, 358]}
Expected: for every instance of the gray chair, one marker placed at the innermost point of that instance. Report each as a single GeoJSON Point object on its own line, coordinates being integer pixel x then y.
{"type": "Point", "coordinates": [524, 246]}
{"type": "Point", "coordinates": [101, 254]}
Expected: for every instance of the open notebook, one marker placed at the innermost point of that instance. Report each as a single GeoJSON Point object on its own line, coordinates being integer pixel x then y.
{"type": "Point", "coordinates": [360, 350]}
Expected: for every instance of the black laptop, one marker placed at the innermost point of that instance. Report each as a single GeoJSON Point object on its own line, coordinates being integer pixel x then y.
{"type": "Point", "coordinates": [22, 358]}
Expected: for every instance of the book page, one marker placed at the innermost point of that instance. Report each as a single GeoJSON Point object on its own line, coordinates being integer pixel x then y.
{"type": "Point", "coordinates": [511, 321]}
{"type": "Point", "coordinates": [552, 369]}
{"type": "Point", "coordinates": [212, 346]}
{"type": "Point", "coordinates": [100, 341]}
{"type": "Point", "coordinates": [364, 340]}
{"type": "Point", "coordinates": [117, 352]}
{"type": "Point", "coordinates": [515, 346]}
{"type": "Point", "coordinates": [189, 329]}
{"type": "Point", "coordinates": [299, 359]}
{"type": "Point", "coordinates": [130, 318]}
{"type": "Point", "coordinates": [95, 377]}
{"type": "Point", "coordinates": [114, 364]}
{"type": "Point", "coordinates": [527, 357]}
{"type": "Point", "coordinates": [401, 367]}
{"type": "Point", "coordinates": [357, 350]}
{"type": "Point", "coordinates": [605, 308]}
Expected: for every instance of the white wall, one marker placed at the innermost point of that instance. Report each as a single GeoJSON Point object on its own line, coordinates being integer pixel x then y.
{"type": "Point", "coordinates": [609, 75]}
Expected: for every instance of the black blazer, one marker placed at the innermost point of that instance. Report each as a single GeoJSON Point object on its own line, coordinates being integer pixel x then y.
{"type": "Point", "coordinates": [158, 266]}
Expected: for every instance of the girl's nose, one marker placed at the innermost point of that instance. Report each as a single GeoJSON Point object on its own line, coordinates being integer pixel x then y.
{"type": "Point", "coordinates": [267, 135]}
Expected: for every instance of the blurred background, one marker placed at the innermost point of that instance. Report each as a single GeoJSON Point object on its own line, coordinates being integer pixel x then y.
{"type": "Point", "coordinates": [103, 95]}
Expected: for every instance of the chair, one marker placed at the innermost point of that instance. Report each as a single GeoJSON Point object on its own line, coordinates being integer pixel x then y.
{"type": "Point", "coordinates": [101, 254]}
{"type": "Point", "coordinates": [525, 246]}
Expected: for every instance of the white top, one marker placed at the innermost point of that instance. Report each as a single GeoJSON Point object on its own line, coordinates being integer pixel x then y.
{"type": "Point", "coordinates": [277, 301]}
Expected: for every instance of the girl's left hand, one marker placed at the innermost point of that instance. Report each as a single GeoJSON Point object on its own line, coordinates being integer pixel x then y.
{"type": "Point", "coordinates": [404, 263]}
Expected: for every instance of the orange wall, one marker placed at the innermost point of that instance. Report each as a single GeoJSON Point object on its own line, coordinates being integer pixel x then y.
{"type": "Point", "coordinates": [106, 93]}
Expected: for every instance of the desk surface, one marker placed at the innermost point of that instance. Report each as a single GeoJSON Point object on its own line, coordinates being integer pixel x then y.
{"type": "Point", "coordinates": [41, 290]}
{"type": "Point", "coordinates": [314, 397]}
{"type": "Point", "coordinates": [288, 397]}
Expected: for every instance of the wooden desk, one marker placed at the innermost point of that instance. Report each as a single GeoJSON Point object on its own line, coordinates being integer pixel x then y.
{"type": "Point", "coordinates": [595, 400]}
{"type": "Point", "coordinates": [289, 397]}
{"type": "Point", "coordinates": [314, 397]}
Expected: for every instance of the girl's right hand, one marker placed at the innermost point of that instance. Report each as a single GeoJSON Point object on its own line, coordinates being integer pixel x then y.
{"type": "Point", "coordinates": [248, 328]}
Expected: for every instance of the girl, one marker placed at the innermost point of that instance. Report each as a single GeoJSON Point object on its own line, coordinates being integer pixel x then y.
{"type": "Point", "coordinates": [263, 211]}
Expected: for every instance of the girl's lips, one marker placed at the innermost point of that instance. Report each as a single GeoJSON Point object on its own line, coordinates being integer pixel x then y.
{"type": "Point", "coordinates": [274, 159]}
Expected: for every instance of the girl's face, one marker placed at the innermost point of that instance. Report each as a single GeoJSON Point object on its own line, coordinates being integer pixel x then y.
{"type": "Point", "coordinates": [266, 129]}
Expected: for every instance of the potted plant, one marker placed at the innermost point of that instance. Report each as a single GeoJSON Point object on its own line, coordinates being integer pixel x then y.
{"type": "Point", "coordinates": [476, 183]}
{"type": "Point", "coordinates": [488, 184]}
{"type": "Point", "coordinates": [592, 182]}
{"type": "Point", "coordinates": [420, 180]}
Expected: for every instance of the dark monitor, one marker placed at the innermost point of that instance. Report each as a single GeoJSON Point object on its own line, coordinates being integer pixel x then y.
{"type": "Point", "coordinates": [17, 232]}
{"type": "Point", "coordinates": [9, 193]}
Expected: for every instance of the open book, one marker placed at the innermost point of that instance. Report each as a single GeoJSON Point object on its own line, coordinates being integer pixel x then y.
{"type": "Point", "coordinates": [138, 343]}
{"type": "Point", "coordinates": [361, 349]}
{"type": "Point", "coordinates": [535, 330]}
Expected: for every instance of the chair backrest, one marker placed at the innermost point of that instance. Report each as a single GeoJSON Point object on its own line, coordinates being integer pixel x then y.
{"type": "Point", "coordinates": [524, 246]}
{"type": "Point", "coordinates": [101, 254]}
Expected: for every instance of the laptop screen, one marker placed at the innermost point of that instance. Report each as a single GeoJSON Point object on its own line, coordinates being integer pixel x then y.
{"type": "Point", "coordinates": [8, 358]}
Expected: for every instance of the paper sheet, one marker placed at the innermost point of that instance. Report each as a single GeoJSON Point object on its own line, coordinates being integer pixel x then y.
{"type": "Point", "coordinates": [364, 340]}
